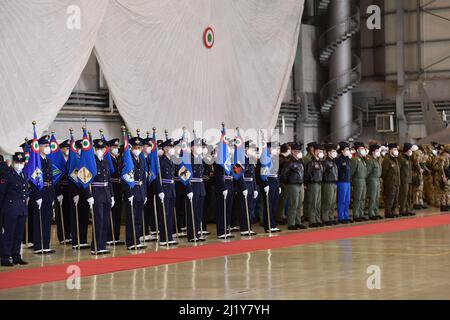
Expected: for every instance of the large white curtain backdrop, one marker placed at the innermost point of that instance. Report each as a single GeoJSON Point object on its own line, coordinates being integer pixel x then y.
{"type": "Point", "coordinates": [41, 60]}
{"type": "Point", "coordinates": [161, 74]}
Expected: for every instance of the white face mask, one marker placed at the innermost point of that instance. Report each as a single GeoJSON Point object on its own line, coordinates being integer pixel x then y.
{"type": "Point", "coordinates": [299, 155]}
{"type": "Point", "coordinates": [19, 166]}
{"type": "Point", "coordinates": [414, 148]}
{"type": "Point", "coordinates": [347, 153]}
{"type": "Point", "coordinates": [377, 154]}
{"type": "Point", "coordinates": [321, 155]}
{"type": "Point", "coordinates": [383, 153]}
{"type": "Point", "coordinates": [434, 152]}
{"type": "Point", "coordinates": [333, 154]}
{"type": "Point", "coordinates": [205, 151]}
{"type": "Point", "coordinates": [115, 151]}
{"type": "Point", "coordinates": [198, 151]}
{"type": "Point", "coordinates": [395, 153]}
{"type": "Point", "coordinates": [100, 154]}
{"type": "Point", "coordinates": [409, 153]}
{"type": "Point", "coordinates": [362, 152]}
{"type": "Point", "coordinates": [171, 152]}
{"type": "Point", "coordinates": [148, 150]}
{"type": "Point", "coordinates": [47, 150]}
{"type": "Point", "coordinates": [137, 152]}
{"type": "Point", "coordinates": [160, 152]}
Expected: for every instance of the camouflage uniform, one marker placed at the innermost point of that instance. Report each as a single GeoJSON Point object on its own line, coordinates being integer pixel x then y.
{"type": "Point", "coordinates": [428, 183]}
{"type": "Point", "coordinates": [442, 178]}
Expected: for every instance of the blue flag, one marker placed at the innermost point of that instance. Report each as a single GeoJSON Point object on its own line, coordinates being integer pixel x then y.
{"type": "Point", "coordinates": [27, 151]}
{"type": "Point", "coordinates": [266, 163]}
{"type": "Point", "coordinates": [107, 156]}
{"type": "Point", "coordinates": [239, 157]}
{"type": "Point", "coordinates": [223, 157]}
{"type": "Point", "coordinates": [34, 167]}
{"type": "Point", "coordinates": [57, 159]}
{"type": "Point", "coordinates": [87, 167]}
{"type": "Point", "coordinates": [185, 167]}
{"type": "Point", "coordinates": [72, 163]}
{"type": "Point", "coordinates": [153, 171]}
{"type": "Point", "coordinates": [127, 173]}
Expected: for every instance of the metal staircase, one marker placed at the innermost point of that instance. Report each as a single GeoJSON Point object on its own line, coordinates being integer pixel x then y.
{"type": "Point", "coordinates": [328, 43]}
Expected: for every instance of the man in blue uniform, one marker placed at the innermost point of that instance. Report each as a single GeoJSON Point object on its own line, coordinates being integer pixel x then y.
{"type": "Point", "coordinates": [43, 202]}
{"type": "Point", "coordinates": [137, 197]}
{"type": "Point", "coordinates": [63, 190]}
{"type": "Point", "coordinates": [101, 197]}
{"type": "Point", "coordinates": [343, 184]}
{"type": "Point", "coordinates": [117, 194]}
{"type": "Point", "coordinates": [271, 187]}
{"type": "Point", "coordinates": [167, 167]}
{"type": "Point", "coordinates": [14, 198]}
{"type": "Point", "coordinates": [249, 178]}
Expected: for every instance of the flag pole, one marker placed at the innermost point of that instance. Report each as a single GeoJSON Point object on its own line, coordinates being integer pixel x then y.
{"type": "Point", "coordinates": [138, 133]}
{"type": "Point", "coordinates": [248, 217]}
{"type": "Point", "coordinates": [154, 196]}
{"type": "Point", "coordinates": [162, 202]}
{"type": "Point", "coordinates": [40, 212]}
{"type": "Point", "coordinates": [61, 216]}
{"type": "Point", "coordinates": [224, 199]}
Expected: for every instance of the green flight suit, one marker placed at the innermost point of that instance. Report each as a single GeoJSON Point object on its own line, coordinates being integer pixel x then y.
{"type": "Point", "coordinates": [390, 173]}
{"type": "Point", "coordinates": [358, 175]}
{"type": "Point", "coordinates": [373, 185]}
{"type": "Point", "coordinates": [405, 184]}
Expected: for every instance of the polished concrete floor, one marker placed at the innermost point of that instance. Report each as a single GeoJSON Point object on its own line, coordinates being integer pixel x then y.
{"type": "Point", "coordinates": [413, 264]}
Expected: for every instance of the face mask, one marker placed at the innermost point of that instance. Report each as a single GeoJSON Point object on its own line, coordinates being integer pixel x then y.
{"type": "Point", "coordinates": [347, 153]}
{"type": "Point", "coordinates": [287, 153]}
{"type": "Point", "coordinates": [395, 153]}
{"type": "Point", "coordinates": [199, 151]}
{"type": "Point", "coordinates": [434, 152]}
{"type": "Point", "coordinates": [414, 148]}
{"type": "Point", "coordinates": [171, 152]}
{"type": "Point", "coordinates": [377, 154]}
{"type": "Point", "coordinates": [299, 155]}
{"type": "Point", "coordinates": [47, 151]}
{"type": "Point", "coordinates": [148, 150]}
{"type": "Point", "coordinates": [137, 152]}
{"type": "Point", "coordinates": [333, 154]}
{"type": "Point", "coordinates": [205, 151]}
{"type": "Point", "coordinates": [66, 153]}
{"type": "Point", "coordinates": [384, 153]}
{"type": "Point", "coordinates": [19, 166]}
{"type": "Point", "coordinates": [409, 153]}
{"type": "Point", "coordinates": [100, 154]}
{"type": "Point", "coordinates": [362, 152]}
{"type": "Point", "coordinates": [321, 155]}
{"type": "Point", "coordinates": [160, 152]}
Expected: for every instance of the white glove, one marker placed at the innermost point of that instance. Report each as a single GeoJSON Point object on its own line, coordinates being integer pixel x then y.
{"type": "Point", "coordinates": [60, 199]}
{"type": "Point", "coordinates": [113, 202]}
{"type": "Point", "coordinates": [161, 196]}
{"type": "Point", "coordinates": [266, 189]}
{"type": "Point", "coordinates": [225, 193]}
{"type": "Point", "coordinates": [279, 190]}
{"type": "Point", "coordinates": [131, 199]}
{"type": "Point", "coordinates": [39, 203]}
{"type": "Point", "coordinates": [255, 194]}
{"type": "Point", "coordinates": [91, 202]}
{"type": "Point", "coordinates": [145, 200]}
{"type": "Point", "coordinates": [190, 195]}
{"type": "Point", "coordinates": [245, 193]}
{"type": "Point", "coordinates": [76, 199]}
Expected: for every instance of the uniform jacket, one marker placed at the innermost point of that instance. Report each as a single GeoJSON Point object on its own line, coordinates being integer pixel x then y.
{"type": "Point", "coordinates": [330, 171]}
{"type": "Point", "coordinates": [343, 166]}
{"type": "Point", "coordinates": [47, 194]}
{"type": "Point", "coordinates": [358, 168]}
{"type": "Point", "coordinates": [14, 191]}
{"type": "Point", "coordinates": [373, 168]}
{"type": "Point", "coordinates": [293, 171]}
{"type": "Point", "coordinates": [390, 171]}
{"type": "Point", "coordinates": [197, 184]}
{"type": "Point", "coordinates": [314, 171]}
{"type": "Point", "coordinates": [103, 177]}
{"type": "Point", "coordinates": [167, 168]}
{"type": "Point", "coordinates": [140, 189]}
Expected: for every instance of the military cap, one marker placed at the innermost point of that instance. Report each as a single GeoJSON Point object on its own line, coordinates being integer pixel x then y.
{"type": "Point", "coordinates": [27, 143]}
{"type": "Point", "coordinates": [297, 146]}
{"type": "Point", "coordinates": [100, 144]}
{"type": "Point", "coordinates": [374, 147]}
{"type": "Point", "coordinates": [358, 144]}
{"type": "Point", "coordinates": [343, 145]}
{"type": "Point", "coordinates": [392, 145]}
{"type": "Point", "coordinates": [79, 144]}
{"type": "Point", "coordinates": [407, 146]}
{"type": "Point", "coordinates": [65, 144]}
{"type": "Point", "coordinates": [159, 143]}
{"type": "Point", "coordinates": [146, 141]}
{"type": "Point", "coordinates": [318, 146]}
{"type": "Point", "coordinates": [167, 143]}
{"type": "Point", "coordinates": [311, 144]}
{"type": "Point", "coordinates": [114, 142]}
{"type": "Point", "coordinates": [44, 140]}
{"type": "Point", "coordinates": [136, 142]}
{"type": "Point", "coordinates": [330, 146]}
{"type": "Point", "coordinates": [197, 142]}
{"type": "Point", "coordinates": [19, 157]}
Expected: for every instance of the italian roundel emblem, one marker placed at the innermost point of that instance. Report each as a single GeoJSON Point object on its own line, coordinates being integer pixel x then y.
{"type": "Point", "coordinates": [208, 37]}
{"type": "Point", "coordinates": [86, 144]}
{"type": "Point", "coordinates": [35, 146]}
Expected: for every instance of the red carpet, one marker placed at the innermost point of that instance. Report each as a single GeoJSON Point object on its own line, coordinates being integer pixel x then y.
{"type": "Point", "coordinates": [33, 276]}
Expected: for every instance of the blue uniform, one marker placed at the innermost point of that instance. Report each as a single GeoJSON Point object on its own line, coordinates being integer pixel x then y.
{"type": "Point", "coordinates": [43, 216]}
{"type": "Point", "coordinates": [197, 187]}
{"type": "Point", "coordinates": [181, 204]}
{"type": "Point", "coordinates": [343, 187]}
{"type": "Point", "coordinates": [249, 179]}
{"type": "Point", "coordinates": [140, 193]}
{"type": "Point", "coordinates": [14, 192]}
{"type": "Point", "coordinates": [63, 188]}
{"type": "Point", "coordinates": [273, 196]}
{"type": "Point", "coordinates": [101, 190]}
{"type": "Point", "coordinates": [167, 168]}
{"type": "Point", "coordinates": [117, 209]}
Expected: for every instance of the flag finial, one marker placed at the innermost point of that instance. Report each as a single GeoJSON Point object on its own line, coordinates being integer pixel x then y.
{"type": "Point", "coordinates": [101, 131]}
{"type": "Point", "coordinates": [138, 132]}
{"type": "Point", "coordinates": [154, 129]}
{"type": "Point", "coordinates": [166, 133]}
{"type": "Point", "coordinates": [33, 123]}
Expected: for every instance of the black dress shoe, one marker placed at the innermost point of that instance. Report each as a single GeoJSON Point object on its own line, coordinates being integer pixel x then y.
{"type": "Point", "coordinates": [424, 207]}
{"type": "Point", "coordinates": [7, 264]}
{"type": "Point", "coordinates": [302, 226]}
{"type": "Point", "coordinates": [411, 213]}
{"type": "Point", "coordinates": [395, 215]}
{"type": "Point", "coordinates": [373, 218]}
{"type": "Point", "coordinates": [417, 207]}
{"type": "Point", "coordinates": [389, 216]}
{"type": "Point", "coordinates": [379, 217]}
{"type": "Point", "coordinates": [291, 228]}
{"type": "Point", "coordinates": [20, 262]}
{"type": "Point", "coordinates": [404, 214]}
